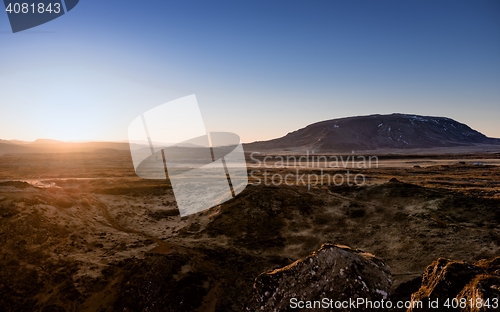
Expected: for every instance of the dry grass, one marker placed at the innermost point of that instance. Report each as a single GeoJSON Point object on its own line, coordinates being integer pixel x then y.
{"type": "Point", "coordinates": [101, 230]}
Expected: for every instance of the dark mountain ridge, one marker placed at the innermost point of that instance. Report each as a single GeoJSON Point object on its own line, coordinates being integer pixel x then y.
{"type": "Point", "coordinates": [375, 132]}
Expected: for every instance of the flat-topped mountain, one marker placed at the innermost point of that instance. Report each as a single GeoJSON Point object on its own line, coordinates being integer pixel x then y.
{"type": "Point", "coordinates": [375, 132]}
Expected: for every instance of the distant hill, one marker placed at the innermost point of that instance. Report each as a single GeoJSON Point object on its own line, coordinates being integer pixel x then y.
{"type": "Point", "coordinates": [52, 146]}
{"type": "Point", "coordinates": [7, 148]}
{"type": "Point", "coordinates": [46, 141]}
{"type": "Point", "coordinates": [377, 132]}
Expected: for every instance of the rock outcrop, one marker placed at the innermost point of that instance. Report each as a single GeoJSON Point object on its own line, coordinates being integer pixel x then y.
{"type": "Point", "coordinates": [334, 272]}
{"type": "Point", "coordinates": [460, 286]}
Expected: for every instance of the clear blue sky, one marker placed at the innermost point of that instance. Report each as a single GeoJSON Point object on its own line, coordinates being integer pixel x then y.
{"type": "Point", "coordinates": [258, 68]}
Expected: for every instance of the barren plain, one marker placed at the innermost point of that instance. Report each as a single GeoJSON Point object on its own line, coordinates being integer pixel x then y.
{"type": "Point", "coordinates": [80, 232]}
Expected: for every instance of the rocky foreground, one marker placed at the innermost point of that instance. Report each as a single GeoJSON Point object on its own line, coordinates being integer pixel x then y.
{"type": "Point", "coordinates": [338, 278]}
{"type": "Point", "coordinates": [333, 272]}
{"type": "Point", "coordinates": [469, 287]}
{"type": "Point", "coordinates": [119, 245]}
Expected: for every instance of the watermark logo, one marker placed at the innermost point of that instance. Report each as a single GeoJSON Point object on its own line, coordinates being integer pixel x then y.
{"type": "Point", "coordinates": [204, 169]}
{"type": "Point", "coordinates": [309, 170]}
{"type": "Point", "coordinates": [26, 14]}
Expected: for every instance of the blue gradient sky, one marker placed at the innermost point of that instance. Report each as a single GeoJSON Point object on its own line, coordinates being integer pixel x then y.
{"type": "Point", "coordinates": [258, 68]}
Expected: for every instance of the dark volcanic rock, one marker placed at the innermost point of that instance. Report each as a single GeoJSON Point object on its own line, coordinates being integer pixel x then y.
{"type": "Point", "coordinates": [334, 272]}
{"type": "Point", "coordinates": [395, 131]}
{"type": "Point", "coordinates": [447, 279]}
